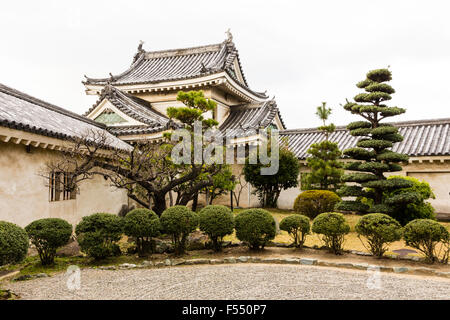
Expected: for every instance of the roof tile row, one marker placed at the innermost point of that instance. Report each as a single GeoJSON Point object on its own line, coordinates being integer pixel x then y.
{"type": "Point", "coordinates": [179, 64]}
{"type": "Point", "coordinates": [23, 112]}
{"type": "Point", "coordinates": [421, 138]}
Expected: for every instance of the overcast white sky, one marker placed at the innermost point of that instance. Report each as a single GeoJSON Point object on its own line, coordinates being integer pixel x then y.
{"type": "Point", "coordinates": [303, 52]}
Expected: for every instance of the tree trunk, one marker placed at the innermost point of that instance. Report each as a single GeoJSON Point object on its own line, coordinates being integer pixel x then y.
{"type": "Point", "coordinates": [160, 203]}
{"type": "Point", "coordinates": [195, 202]}
{"type": "Point", "coordinates": [170, 198]}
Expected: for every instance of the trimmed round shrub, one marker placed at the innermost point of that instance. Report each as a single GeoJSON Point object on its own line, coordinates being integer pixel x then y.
{"type": "Point", "coordinates": [179, 221]}
{"type": "Point", "coordinates": [333, 228]}
{"type": "Point", "coordinates": [297, 226]}
{"type": "Point", "coordinates": [216, 222]}
{"type": "Point", "coordinates": [255, 227]}
{"type": "Point", "coordinates": [142, 224]}
{"type": "Point", "coordinates": [313, 202]}
{"type": "Point", "coordinates": [13, 243]}
{"type": "Point", "coordinates": [48, 235]}
{"type": "Point", "coordinates": [424, 235]}
{"type": "Point", "coordinates": [379, 230]}
{"type": "Point", "coordinates": [98, 235]}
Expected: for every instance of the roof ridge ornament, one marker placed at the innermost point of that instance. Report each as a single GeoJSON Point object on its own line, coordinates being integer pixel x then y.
{"type": "Point", "coordinates": [203, 68]}
{"type": "Point", "coordinates": [229, 36]}
{"type": "Point", "coordinates": [141, 43]}
{"type": "Point", "coordinates": [107, 89]}
{"type": "Point", "coordinates": [140, 50]}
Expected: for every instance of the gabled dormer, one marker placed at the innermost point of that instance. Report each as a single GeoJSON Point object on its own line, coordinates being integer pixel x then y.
{"type": "Point", "coordinates": [126, 115]}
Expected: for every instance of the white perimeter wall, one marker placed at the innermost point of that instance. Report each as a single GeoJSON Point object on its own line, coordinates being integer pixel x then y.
{"type": "Point", "coordinates": [24, 195]}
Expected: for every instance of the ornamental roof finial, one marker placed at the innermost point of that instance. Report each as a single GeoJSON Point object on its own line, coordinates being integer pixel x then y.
{"type": "Point", "coordinates": [229, 35]}
{"type": "Point", "coordinates": [140, 51]}
{"type": "Point", "coordinates": [141, 43]}
{"type": "Point", "coordinates": [203, 68]}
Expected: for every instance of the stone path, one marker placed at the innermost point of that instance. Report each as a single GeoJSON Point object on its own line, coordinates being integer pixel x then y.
{"type": "Point", "coordinates": [249, 281]}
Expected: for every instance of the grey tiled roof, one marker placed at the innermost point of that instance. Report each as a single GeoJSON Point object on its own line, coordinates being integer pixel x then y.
{"type": "Point", "coordinates": [179, 64]}
{"type": "Point", "coordinates": [23, 112]}
{"type": "Point", "coordinates": [134, 107]}
{"type": "Point", "coordinates": [248, 117]}
{"type": "Point", "coordinates": [133, 129]}
{"type": "Point", "coordinates": [421, 138]}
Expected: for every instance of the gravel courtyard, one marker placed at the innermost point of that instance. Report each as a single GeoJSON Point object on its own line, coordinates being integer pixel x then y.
{"type": "Point", "coordinates": [250, 281]}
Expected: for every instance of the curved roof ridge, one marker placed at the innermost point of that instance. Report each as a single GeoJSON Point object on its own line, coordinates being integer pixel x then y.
{"type": "Point", "coordinates": [183, 51]}
{"type": "Point", "coordinates": [234, 54]}
{"type": "Point", "coordinates": [218, 62]}
{"type": "Point", "coordinates": [142, 106]}
{"type": "Point", "coordinates": [112, 77]}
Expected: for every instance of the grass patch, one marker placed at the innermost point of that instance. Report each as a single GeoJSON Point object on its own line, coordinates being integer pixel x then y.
{"type": "Point", "coordinates": [32, 265]}
{"type": "Point", "coordinates": [6, 295]}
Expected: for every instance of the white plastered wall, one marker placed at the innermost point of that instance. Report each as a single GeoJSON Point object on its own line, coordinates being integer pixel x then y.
{"type": "Point", "coordinates": [24, 194]}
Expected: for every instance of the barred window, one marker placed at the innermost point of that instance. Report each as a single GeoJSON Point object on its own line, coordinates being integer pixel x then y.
{"type": "Point", "coordinates": [60, 187]}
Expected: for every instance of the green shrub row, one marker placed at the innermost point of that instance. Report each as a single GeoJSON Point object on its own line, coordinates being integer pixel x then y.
{"type": "Point", "coordinates": [98, 234]}
{"type": "Point", "coordinates": [379, 230]}
{"type": "Point", "coordinates": [422, 234]}
{"type": "Point", "coordinates": [376, 231]}
{"type": "Point", "coordinates": [142, 225]}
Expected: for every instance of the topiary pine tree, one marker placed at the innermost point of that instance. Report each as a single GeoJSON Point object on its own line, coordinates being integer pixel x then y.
{"type": "Point", "coordinates": [372, 152]}
{"type": "Point", "coordinates": [326, 170]}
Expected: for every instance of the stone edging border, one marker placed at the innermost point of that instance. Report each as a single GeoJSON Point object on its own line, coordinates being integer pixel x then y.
{"type": "Point", "coordinates": [9, 275]}
{"type": "Point", "coordinates": [298, 261]}
{"type": "Point", "coordinates": [394, 256]}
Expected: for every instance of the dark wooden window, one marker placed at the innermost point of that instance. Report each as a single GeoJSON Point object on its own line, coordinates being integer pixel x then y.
{"type": "Point", "coordinates": [59, 187]}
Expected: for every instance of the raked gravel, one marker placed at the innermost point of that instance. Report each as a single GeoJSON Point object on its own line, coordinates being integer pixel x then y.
{"type": "Point", "coordinates": [235, 281]}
